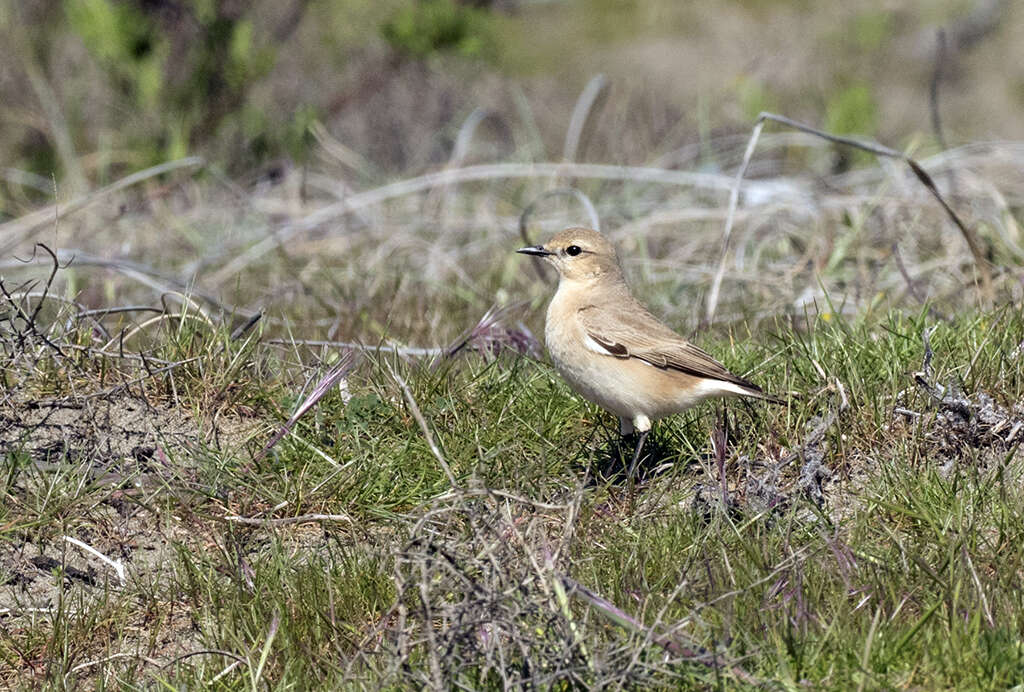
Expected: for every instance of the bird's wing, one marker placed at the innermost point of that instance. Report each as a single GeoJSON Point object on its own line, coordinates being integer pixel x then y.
{"type": "Point", "coordinates": [636, 333]}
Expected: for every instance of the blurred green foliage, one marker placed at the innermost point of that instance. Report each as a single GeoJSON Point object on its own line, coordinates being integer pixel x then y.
{"type": "Point", "coordinates": [123, 39]}
{"type": "Point", "coordinates": [872, 29]}
{"type": "Point", "coordinates": [852, 110]}
{"type": "Point", "coordinates": [91, 89]}
{"type": "Point", "coordinates": [189, 75]}
{"type": "Point", "coordinates": [425, 27]}
{"type": "Point", "coordinates": [165, 80]}
{"type": "Point", "coordinates": [754, 97]}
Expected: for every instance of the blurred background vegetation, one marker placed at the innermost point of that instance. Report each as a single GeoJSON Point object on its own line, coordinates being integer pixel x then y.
{"type": "Point", "coordinates": [92, 89]}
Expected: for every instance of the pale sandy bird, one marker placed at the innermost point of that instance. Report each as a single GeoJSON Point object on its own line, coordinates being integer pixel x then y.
{"type": "Point", "coordinates": [614, 352]}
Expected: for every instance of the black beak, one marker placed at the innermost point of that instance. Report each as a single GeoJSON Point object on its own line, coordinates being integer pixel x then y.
{"type": "Point", "coordinates": [536, 250]}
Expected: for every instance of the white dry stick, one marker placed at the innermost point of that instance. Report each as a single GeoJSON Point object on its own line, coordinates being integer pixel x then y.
{"type": "Point", "coordinates": [496, 171]}
{"type": "Point", "coordinates": [121, 338]}
{"type": "Point", "coordinates": [465, 136]}
{"type": "Point", "coordinates": [107, 659]}
{"type": "Point", "coordinates": [163, 284]}
{"type": "Point", "coordinates": [17, 230]}
{"type": "Point", "coordinates": [116, 564]}
{"type": "Point", "coordinates": [339, 152]}
{"type": "Point", "coordinates": [459, 152]}
{"type": "Point", "coordinates": [418, 415]}
{"type": "Point", "coordinates": [405, 352]}
{"type": "Point", "coordinates": [285, 521]}
{"type": "Point", "coordinates": [27, 611]}
{"type": "Point", "coordinates": [734, 196]}
{"type": "Point", "coordinates": [580, 112]}
{"type": "Point", "coordinates": [588, 206]}
{"type": "Point", "coordinates": [231, 666]}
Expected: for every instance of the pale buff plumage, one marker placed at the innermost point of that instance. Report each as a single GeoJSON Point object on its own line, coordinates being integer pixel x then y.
{"type": "Point", "coordinates": [614, 352]}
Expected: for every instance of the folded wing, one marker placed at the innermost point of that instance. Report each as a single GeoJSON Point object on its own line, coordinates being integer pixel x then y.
{"type": "Point", "coordinates": [638, 334]}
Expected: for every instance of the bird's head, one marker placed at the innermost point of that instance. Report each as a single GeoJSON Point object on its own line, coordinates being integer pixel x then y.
{"type": "Point", "coordinates": [579, 254]}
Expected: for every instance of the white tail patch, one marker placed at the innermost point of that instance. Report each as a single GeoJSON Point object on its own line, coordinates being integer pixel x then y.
{"type": "Point", "coordinates": [708, 388]}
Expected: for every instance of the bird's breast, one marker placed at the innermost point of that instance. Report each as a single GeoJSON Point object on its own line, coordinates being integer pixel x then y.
{"type": "Point", "coordinates": [625, 386]}
{"type": "Point", "coordinates": [599, 378]}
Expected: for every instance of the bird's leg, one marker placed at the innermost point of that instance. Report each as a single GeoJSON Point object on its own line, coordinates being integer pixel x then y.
{"type": "Point", "coordinates": [636, 455]}
{"type": "Point", "coordinates": [627, 436]}
{"type": "Point", "coordinates": [641, 424]}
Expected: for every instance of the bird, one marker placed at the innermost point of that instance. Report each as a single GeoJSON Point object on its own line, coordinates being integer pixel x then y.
{"type": "Point", "coordinates": [613, 352]}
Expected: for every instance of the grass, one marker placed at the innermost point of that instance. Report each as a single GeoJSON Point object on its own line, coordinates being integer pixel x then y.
{"type": "Point", "coordinates": [906, 575]}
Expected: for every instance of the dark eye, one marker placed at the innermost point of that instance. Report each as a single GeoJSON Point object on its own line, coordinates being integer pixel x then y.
{"type": "Point", "coordinates": [573, 250]}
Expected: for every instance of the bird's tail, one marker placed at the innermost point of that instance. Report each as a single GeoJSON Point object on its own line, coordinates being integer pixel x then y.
{"type": "Point", "coordinates": [770, 398]}
{"type": "Point", "coordinates": [752, 390]}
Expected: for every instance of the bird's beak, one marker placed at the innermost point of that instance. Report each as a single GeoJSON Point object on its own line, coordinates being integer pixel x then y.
{"type": "Point", "coordinates": [536, 250]}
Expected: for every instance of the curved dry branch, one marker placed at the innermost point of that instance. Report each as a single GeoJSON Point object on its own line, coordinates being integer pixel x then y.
{"type": "Point", "coordinates": [970, 235]}
{"type": "Point", "coordinates": [588, 97]}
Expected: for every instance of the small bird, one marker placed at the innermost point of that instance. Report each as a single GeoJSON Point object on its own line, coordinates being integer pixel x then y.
{"type": "Point", "coordinates": [614, 352]}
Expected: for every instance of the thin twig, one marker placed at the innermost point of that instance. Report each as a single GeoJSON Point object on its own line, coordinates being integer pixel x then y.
{"type": "Point", "coordinates": [911, 287]}
{"type": "Point", "coordinates": [117, 309]}
{"type": "Point", "coordinates": [588, 97]}
{"type": "Point", "coordinates": [204, 652]}
{"type": "Point", "coordinates": [181, 316]}
{"type": "Point", "coordinates": [13, 612]}
{"type": "Point", "coordinates": [227, 669]}
{"type": "Point", "coordinates": [158, 281]}
{"type": "Point", "coordinates": [404, 351]}
{"type": "Point", "coordinates": [491, 492]}
{"type": "Point", "coordinates": [93, 351]}
{"type": "Point", "coordinates": [618, 616]}
{"type": "Point", "coordinates": [107, 659]}
{"type": "Point", "coordinates": [286, 521]}
{"type": "Point", "coordinates": [18, 229]}
{"type": "Point", "coordinates": [462, 142]}
{"type": "Point", "coordinates": [117, 565]}
{"type": "Point", "coordinates": [734, 196]}
{"type": "Point", "coordinates": [429, 436]}
{"type": "Point", "coordinates": [326, 383]}
{"type": "Point", "coordinates": [78, 398]}
{"type": "Point", "coordinates": [468, 130]}
{"type": "Point", "coordinates": [970, 235]}
{"type": "Point", "coordinates": [588, 206]}
{"type": "Point", "coordinates": [243, 329]}
{"type": "Point", "coordinates": [30, 320]}
{"type": "Point", "coordinates": [933, 87]}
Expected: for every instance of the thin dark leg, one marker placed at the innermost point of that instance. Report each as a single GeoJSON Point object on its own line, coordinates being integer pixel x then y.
{"type": "Point", "coordinates": [636, 455]}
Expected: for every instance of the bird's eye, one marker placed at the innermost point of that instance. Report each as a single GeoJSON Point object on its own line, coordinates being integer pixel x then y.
{"type": "Point", "coordinates": [573, 250]}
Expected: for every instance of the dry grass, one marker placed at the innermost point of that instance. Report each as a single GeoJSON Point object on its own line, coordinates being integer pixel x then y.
{"type": "Point", "coordinates": [414, 261]}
